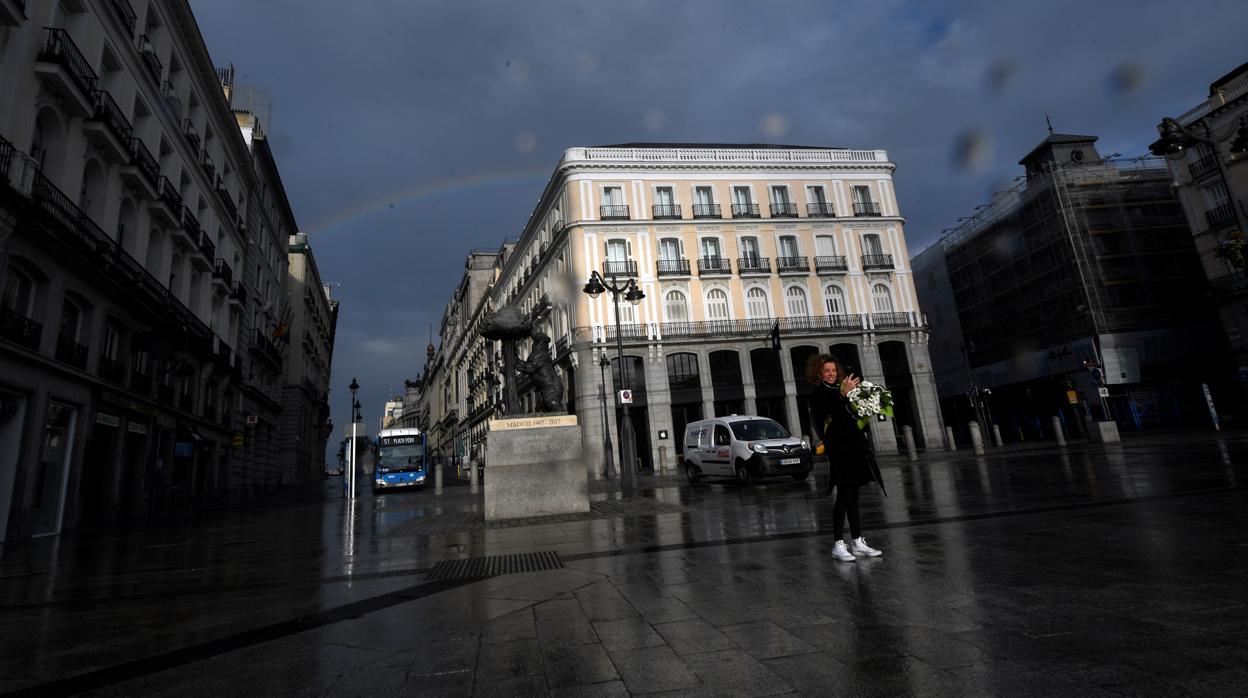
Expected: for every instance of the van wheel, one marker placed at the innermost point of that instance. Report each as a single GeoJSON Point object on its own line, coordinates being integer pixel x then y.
{"type": "Point", "coordinates": [744, 477]}
{"type": "Point", "coordinates": [691, 473]}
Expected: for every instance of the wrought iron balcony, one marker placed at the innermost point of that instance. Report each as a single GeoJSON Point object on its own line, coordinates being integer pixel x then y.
{"type": "Point", "coordinates": [1205, 165]}
{"type": "Point", "coordinates": [877, 261]}
{"type": "Point", "coordinates": [71, 352]}
{"type": "Point", "coordinates": [125, 15]}
{"type": "Point", "coordinates": [67, 71]}
{"type": "Point", "coordinates": [783, 210]}
{"type": "Point", "coordinates": [866, 208]}
{"type": "Point", "coordinates": [831, 263]}
{"type": "Point", "coordinates": [792, 264]}
{"type": "Point", "coordinates": [142, 158]}
{"type": "Point", "coordinates": [761, 327]}
{"type": "Point", "coordinates": [221, 270]}
{"type": "Point", "coordinates": [116, 132]}
{"type": "Point", "coordinates": [706, 211]}
{"type": "Point", "coordinates": [207, 246]}
{"type": "Point", "coordinates": [613, 213]}
{"type": "Point", "coordinates": [820, 210]}
{"type": "Point", "coordinates": [713, 265]}
{"type": "Point", "coordinates": [18, 328]}
{"type": "Point", "coordinates": [625, 268]}
{"type": "Point", "coordinates": [112, 370]}
{"type": "Point", "coordinates": [148, 53]}
{"type": "Point", "coordinates": [753, 265]}
{"type": "Point", "coordinates": [666, 211]}
{"type": "Point", "coordinates": [890, 319]}
{"type": "Point", "coordinates": [673, 267]}
{"type": "Point", "coordinates": [745, 211]}
{"type": "Point", "coordinates": [189, 222]}
{"type": "Point", "coordinates": [633, 331]}
{"type": "Point", "coordinates": [1220, 215]}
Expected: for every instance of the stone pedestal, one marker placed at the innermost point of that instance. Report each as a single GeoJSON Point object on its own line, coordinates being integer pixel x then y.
{"type": "Point", "coordinates": [535, 468]}
{"type": "Point", "coordinates": [1105, 432]}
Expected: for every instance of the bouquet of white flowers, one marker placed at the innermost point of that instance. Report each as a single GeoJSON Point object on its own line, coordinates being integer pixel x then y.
{"type": "Point", "coordinates": [868, 400]}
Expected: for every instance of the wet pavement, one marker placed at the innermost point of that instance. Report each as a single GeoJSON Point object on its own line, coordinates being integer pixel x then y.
{"type": "Point", "coordinates": [1088, 570]}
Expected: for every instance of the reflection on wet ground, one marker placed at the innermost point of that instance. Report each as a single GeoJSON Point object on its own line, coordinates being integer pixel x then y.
{"type": "Point", "coordinates": [1028, 571]}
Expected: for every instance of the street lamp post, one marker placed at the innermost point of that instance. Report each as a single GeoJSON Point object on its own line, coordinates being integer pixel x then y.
{"type": "Point", "coordinates": [354, 421]}
{"type": "Point", "coordinates": [608, 457]}
{"type": "Point", "coordinates": [1176, 139]}
{"type": "Point", "coordinates": [628, 445]}
{"type": "Point", "coordinates": [973, 392]}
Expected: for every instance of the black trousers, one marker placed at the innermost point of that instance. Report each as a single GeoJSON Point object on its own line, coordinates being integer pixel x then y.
{"type": "Point", "coordinates": [846, 506]}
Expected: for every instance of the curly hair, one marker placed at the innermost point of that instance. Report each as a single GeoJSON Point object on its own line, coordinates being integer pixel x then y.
{"type": "Point", "coordinates": [814, 367]}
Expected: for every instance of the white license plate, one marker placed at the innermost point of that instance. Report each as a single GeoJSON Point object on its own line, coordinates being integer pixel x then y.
{"type": "Point", "coordinates": [790, 461]}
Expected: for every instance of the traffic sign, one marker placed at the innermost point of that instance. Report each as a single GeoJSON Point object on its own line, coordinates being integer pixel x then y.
{"type": "Point", "coordinates": [1103, 391]}
{"type": "Point", "coordinates": [626, 397]}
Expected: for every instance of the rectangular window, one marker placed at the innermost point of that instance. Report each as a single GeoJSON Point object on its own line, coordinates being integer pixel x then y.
{"type": "Point", "coordinates": [663, 196]}
{"type": "Point", "coordinates": [710, 248]}
{"type": "Point", "coordinates": [871, 245]}
{"type": "Point", "coordinates": [825, 246]}
{"type": "Point", "coordinates": [788, 246]}
{"type": "Point", "coordinates": [862, 194]}
{"type": "Point", "coordinates": [749, 249]}
{"type": "Point", "coordinates": [815, 195]}
{"type": "Point", "coordinates": [112, 339]}
{"type": "Point", "coordinates": [612, 196]}
{"type": "Point", "coordinates": [741, 195]}
{"type": "Point", "coordinates": [669, 249]}
{"type": "Point", "coordinates": [703, 196]}
{"type": "Point", "coordinates": [779, 194]}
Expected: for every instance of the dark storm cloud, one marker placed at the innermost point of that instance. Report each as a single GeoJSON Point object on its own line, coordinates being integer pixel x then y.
{"type": "Point", "coordinates": [375, 100]}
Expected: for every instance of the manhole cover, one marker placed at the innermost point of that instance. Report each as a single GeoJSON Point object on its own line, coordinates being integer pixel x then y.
{"type": "Point", "coordinates": [494, 565]}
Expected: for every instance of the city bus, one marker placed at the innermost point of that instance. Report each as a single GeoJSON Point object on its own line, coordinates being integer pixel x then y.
{"type": "Point", "coordinates": [400, 459]}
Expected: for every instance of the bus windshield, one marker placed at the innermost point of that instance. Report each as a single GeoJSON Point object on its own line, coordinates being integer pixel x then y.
{"type": "Point", "coordinates": [394, 459]}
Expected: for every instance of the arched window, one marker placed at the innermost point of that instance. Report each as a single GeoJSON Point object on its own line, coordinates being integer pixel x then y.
{"type": "Point", "coordinates": [73, 319]}
{"type": "Point", "coordinates": [19, 293]}
{"type": "Point", "coordinates": [881, 298]}
{"type": "Point", "coordinates": [756, 305]}
{"type": "Point", "coordinates": [91, 195]}
{"type": "Point", "coordinates": [716, 304]}
{"type": "Point", "coordinates": [676, 306]}
{"type": "Point", "coordinates": [795, 302]}
{"type": "Point", "coordinates": [833, 299]}
{"type": "Point", "coordinates": [47, 143]}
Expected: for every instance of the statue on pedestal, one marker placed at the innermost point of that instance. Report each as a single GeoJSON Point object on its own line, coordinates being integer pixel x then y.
{"type": "Point", "coordinates": [509, 325]}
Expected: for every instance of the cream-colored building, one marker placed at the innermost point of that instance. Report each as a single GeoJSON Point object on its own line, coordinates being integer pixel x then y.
{"type": "Point", "coordinates": [309, 341]}
{"type": "Point", "coordinates": [1213, 196]}
{"type": "Point", "coordinates": [727, 242]}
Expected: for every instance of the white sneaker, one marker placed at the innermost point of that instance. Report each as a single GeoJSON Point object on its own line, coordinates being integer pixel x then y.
{"type": "Point", "coordinates": [840, 552]}
{"type": "Point", "coordinates": [861, 548]}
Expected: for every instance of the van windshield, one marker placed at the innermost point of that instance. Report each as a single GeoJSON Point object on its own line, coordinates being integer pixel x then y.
{"type": "Point", "coordinates": [758, 429]}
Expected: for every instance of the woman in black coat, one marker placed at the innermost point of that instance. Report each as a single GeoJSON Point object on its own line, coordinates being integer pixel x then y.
{"type": "Point", "coordinates": [851, 463]}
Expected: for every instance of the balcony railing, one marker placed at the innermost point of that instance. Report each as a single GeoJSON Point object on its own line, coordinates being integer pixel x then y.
{"type": "Point", "coordinates": [613, 213]}
{"type": "Point", "coordinates": [71, 352]}
{"type": "Point", "coordinates": [148, 53]}
{"type": "Point", "coordinates": [877, 261]}
{"type": "Point", "coordinates": [142, 158]}
{"type": "Point", "coordinates": [673, 267]}
{"type": "Point", "coordinates": [170, 196]}
{"type": "Point", "coordinates": [633, 331]}
{"type": "Point", "coordinates": [107, 112]}
{"type": "Point", "coordinates": [625, 268]}
{"type": "Point", "coordinates": [221, 270]}
{"type": "Point", "coordinates": [706, 211]}
{"type": "Point", "coordinates": [745, 211]}
{"type": "Point", "coordinates": [6, 158]}
{"type": "Point", "coordinates": [207, 246]}
{"type": "Point", "coordinates": [890, 319]}
{"type": "Point", "coordinates": [61, 50]}
{"type": "Point", "coordinates": [666, 211]}
{"type": "Point", "coordinates": [263, 346]}
{"type": "Point", "coordinates": [125, 14]}
{"type": "Point", "coordinates": [753, 265]}
{"type": "Point", "coordinates": [792, 264]}
{"type": "Point", "coordinates": [866, 208]}
{"type": "Point", "coordinates": [831, 263]}
{"type": "Point", "coordinates": [112, 370]}
{"type": "Point", "coordinates": [714, 265]}
{"type": "Point", "coordinates": [18, 328]}
{"type": "Point", "coordinates": [783, 210]}
{"type": "Point", "coordinates": [820, 210]}
{"type": "Point", "coordinates": [1203, 166]}
{"type": "Point", "coordinates": [238, 292]}
{"type": "Point", "coordinates": [761, 327]}
{"type": "Point", "coordinates": [1220, 215]}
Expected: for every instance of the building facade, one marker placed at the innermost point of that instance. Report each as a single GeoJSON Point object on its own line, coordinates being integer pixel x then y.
{"type": "Point", "coordinates": [131, 217]}
{"type": "Point", "coordinates": [1213, 188]}
{"type": "Point", "coordinates": [1080, 281]}
{"type": "Point", "coordinates": [309, 338]}
{"type": "Point", "coordinates": [728, 243]}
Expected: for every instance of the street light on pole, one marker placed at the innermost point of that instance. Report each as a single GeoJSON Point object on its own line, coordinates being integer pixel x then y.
{"type": "Point", "coordinates": [628, 445]}
{"type": "Point", "coordinates": [608, 457]}
{"type": "Point", "coordinates": [354, 421]}
{"type": "Point", "coordinates": [1176, 139]}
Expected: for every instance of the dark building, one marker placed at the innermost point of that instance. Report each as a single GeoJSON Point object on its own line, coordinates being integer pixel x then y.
{"type": "Point", "coordinates": [1077, 293]}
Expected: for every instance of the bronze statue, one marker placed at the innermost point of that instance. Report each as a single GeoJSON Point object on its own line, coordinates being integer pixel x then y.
{"type": "Point", "coordinates": [509, 325]}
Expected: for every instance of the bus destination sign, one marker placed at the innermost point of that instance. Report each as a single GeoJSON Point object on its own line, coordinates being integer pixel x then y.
{"type": "Point", "coordinates": [399, 440]}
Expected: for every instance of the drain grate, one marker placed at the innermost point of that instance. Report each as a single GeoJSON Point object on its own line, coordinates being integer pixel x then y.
{"type": "Point", "coordinates": [494, 565]}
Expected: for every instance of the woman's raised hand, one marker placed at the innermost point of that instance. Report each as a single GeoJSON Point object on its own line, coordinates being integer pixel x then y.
{"type": "Point", "coordinates": [851, 381]}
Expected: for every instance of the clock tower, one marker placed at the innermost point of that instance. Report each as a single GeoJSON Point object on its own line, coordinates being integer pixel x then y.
{"type": "Point", "coordinates": [1062, 149]}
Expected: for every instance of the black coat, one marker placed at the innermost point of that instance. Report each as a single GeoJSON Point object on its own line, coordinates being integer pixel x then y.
{"type": "Point", "coordinates": [851, 461]}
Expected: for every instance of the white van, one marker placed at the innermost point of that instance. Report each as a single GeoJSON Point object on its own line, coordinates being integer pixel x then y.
{"type": "Point", "coordinates": [745, 447]}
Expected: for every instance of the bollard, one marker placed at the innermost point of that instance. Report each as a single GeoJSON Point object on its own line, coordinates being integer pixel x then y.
{"type": "Point", "coordinates": [977, 439]}
{"type": "Point", "coordinates": [1057, 431]}
{"type": "Point", "coordinates": [437, 478]}
{"type": "Point", "coordinates": [907, 433]}
{"type": "Point", "coordinates": [472, 474]}
{"type": "Point", "coordinates": [996, 435]}
{"type": "Point", "coordinates": [949, 442]}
